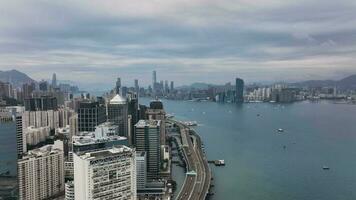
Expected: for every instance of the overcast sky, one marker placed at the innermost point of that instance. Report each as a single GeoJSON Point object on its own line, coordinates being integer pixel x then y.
{"type": "Point", "coordinates": [93, 42]}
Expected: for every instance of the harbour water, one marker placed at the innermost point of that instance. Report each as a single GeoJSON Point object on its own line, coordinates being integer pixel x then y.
{"type": "Point", "coordinates": [8, 154]}
{"type": "Point", "coordinates": [264, 164]}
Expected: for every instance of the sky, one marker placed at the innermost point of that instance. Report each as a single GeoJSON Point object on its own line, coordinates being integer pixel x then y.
{"type": "Point", "coordinates": [93, 42]}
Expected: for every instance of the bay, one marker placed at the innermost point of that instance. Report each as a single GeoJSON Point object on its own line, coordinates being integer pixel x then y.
{"type": "Point", "coordinates": [263, 164]}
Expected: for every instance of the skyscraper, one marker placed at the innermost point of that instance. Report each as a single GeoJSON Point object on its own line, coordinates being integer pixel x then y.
{"type": "Point", "coordinates": [166, 87]}
{"type": "Point", "coordinates": [172, 86]}
{"type": "Point", "coordinates": [118, 86]}
{"type": "Point", "coordinates": [118, 114]}
{"type": "Point", "coordinates": [156, 112]}
{"type": "Point", "coordinates": [137, 88]}
{"type": "Point", "coordinates": [141, 170]}
{"type": "Point", "coordinates": [147, 135]}
{"type": "Point", "coordinates": [239, 90]}
{"type": "Point", "coordinates": [54, 80]}
{"type": "Point", "coordinates": [41, 173]}
{"type": "Point", "coordinates": [154, 79]}
{"type": "Point", "coordinates": [90, 114]}
{"type": "Point", "coordinates": [105, 174]}
{"type": "Point", "coordinates": [43, 85]}
{"type": "Point", "coordinates": [42, 103]}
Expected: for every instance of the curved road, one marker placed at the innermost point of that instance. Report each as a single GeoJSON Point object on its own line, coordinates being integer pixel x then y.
{"type": "Point", "coordinates": [197, 180]}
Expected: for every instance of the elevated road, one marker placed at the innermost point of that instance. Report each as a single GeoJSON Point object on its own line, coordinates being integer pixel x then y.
{"type": "Point", "coordinates": [197, 181]}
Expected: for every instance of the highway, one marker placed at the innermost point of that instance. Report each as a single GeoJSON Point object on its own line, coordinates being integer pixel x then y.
{"type": "Point", "coordinates": [197, 182]}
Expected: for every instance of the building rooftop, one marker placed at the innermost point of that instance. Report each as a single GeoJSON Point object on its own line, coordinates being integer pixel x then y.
{"type": "Point", "coordinates": [90, 139]}
{"type": "Point", "coordinates": [42, 151]}
{"type": "Point", "coordinates": [106, 152]}
{"type": "Point", "coordinates": [118, 100]}
{"type": "Point", "coordinates": [148, 123]}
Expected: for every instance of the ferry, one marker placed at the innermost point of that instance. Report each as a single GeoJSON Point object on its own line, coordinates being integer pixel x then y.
{"type": "Point", "coordinates": [219, 162]}
{"type": "Point", "coordinates": [169, 116]}
{"type": "Point", "coordinates": [191, 123]}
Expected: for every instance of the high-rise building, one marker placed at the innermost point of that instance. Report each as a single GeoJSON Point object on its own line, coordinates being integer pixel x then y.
{"type": "Point", "coordinates": [147, 136]}
{"type": "Point", "coordinates": [118, 114]}
{"type": "Point", "coordinates": [54, 80]}
{"type": "Point", "coordinates": [118, 86]}
{"type": "Point", "coordinates": [27, 89]}
{"type": "Point", "coordinates": [41, 103]}
{"type": "Point", "coordinates": [141, 170]}
{"type": "Point", "coordinates": [96, 141]}
{"type": "Point", "coordinates": [154, 79]}
{"type": "Point", "coordinates": [132, 101]}
{"type": "Point", "coordinates": [105, 174]}
{"type": "Point", "coordinates": [137, 88]}
{"type": "Point", "coordinates": [20, 137]}
{"type": "Point", "coordinates": [239, 90]}
{"type": "Point", "coordinates": [166, 87]}
{"type": "Point", "coordinates": [90, 114]}
{"type": "Point", "coordinates": [156, 112]}
{"type": "Point", "coordinates": [172, 86]}
{"type": "Point", "coordinates": [69, 190]}
{"type": "Point", "coordinates": [124, 91]}
{"type": "Point", "coordinates": [41, 173]}
{"type": "Point", "coordinates": [43, 86]}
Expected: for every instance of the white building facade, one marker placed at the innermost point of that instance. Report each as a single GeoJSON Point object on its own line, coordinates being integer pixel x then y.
{"type": "Point", "coordinates": [105, 174]}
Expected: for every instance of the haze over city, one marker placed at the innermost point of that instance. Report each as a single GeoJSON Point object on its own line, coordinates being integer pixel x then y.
{"type": "Point", "coordinates": [91, 42]}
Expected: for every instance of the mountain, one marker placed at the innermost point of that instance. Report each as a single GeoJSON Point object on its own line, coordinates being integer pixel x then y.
{"type": "Point", "coordinates": [348, 82]}
{"type": "Point", "coordinates": [15, 77]}
{"type": "Point", "coordinates": [345, 83]}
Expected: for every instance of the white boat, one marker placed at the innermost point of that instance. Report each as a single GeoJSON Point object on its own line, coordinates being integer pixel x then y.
{"type": "Point", "coordinates": [280, 130]}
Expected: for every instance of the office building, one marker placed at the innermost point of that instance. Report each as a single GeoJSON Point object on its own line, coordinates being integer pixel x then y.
{"type": "Point", "coordinates": [141, 170]}
{"type": "Point", "coordinates": [27, 89]}
{"type": "Point", "coordinates": [105, 174]}
{"type": "Point", "coordinates": [156, 112]}
{"type": "Point", "coordinates": [118, 86]}
{"type": "Point", "coordinates": [54, 80]}
{"type": "Point", "coordinates": [104, 136]}
{"type": "Point", "coordinates": [43, 86]}
{"type": "Point", "coordinates": [172, 86]}
{"type": "Point", "coordinates": [147, 136]}
{"type": "Point", "coordinates": [118, 114]}
{"type": "Point", "coordinates": [41, 173]}
{"type": "Point", "coordinates": [239, 91]}
{"type": "Point", "coordinates": [90, 114]}
{"type": "Point", "coordinates": [137, 88]}
{"type": "Point", "coordinates": [42, 103]}
{"type": "Point", "coordinates": [154, 79]}
{"type": "Point", "coordinates": [132, 101]}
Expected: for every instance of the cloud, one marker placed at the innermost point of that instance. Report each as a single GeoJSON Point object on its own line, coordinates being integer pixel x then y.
{"type": "Point", "coordinates": [92, 42]}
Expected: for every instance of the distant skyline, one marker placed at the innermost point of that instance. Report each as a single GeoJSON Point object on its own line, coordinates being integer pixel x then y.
{"type": "Point", "coordinates": [94, 42]}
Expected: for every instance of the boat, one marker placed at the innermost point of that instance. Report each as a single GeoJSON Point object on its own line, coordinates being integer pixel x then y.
{"type": "Point", "coordinates": [280, 130]}
{"type": "Point", "coordinates": [326, 167]}
{"type": "Point", "coordinates": [191, 123]}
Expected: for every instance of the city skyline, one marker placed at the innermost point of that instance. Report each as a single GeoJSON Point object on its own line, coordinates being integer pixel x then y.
{"type": "Point", "coordinates": [256, 40]}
